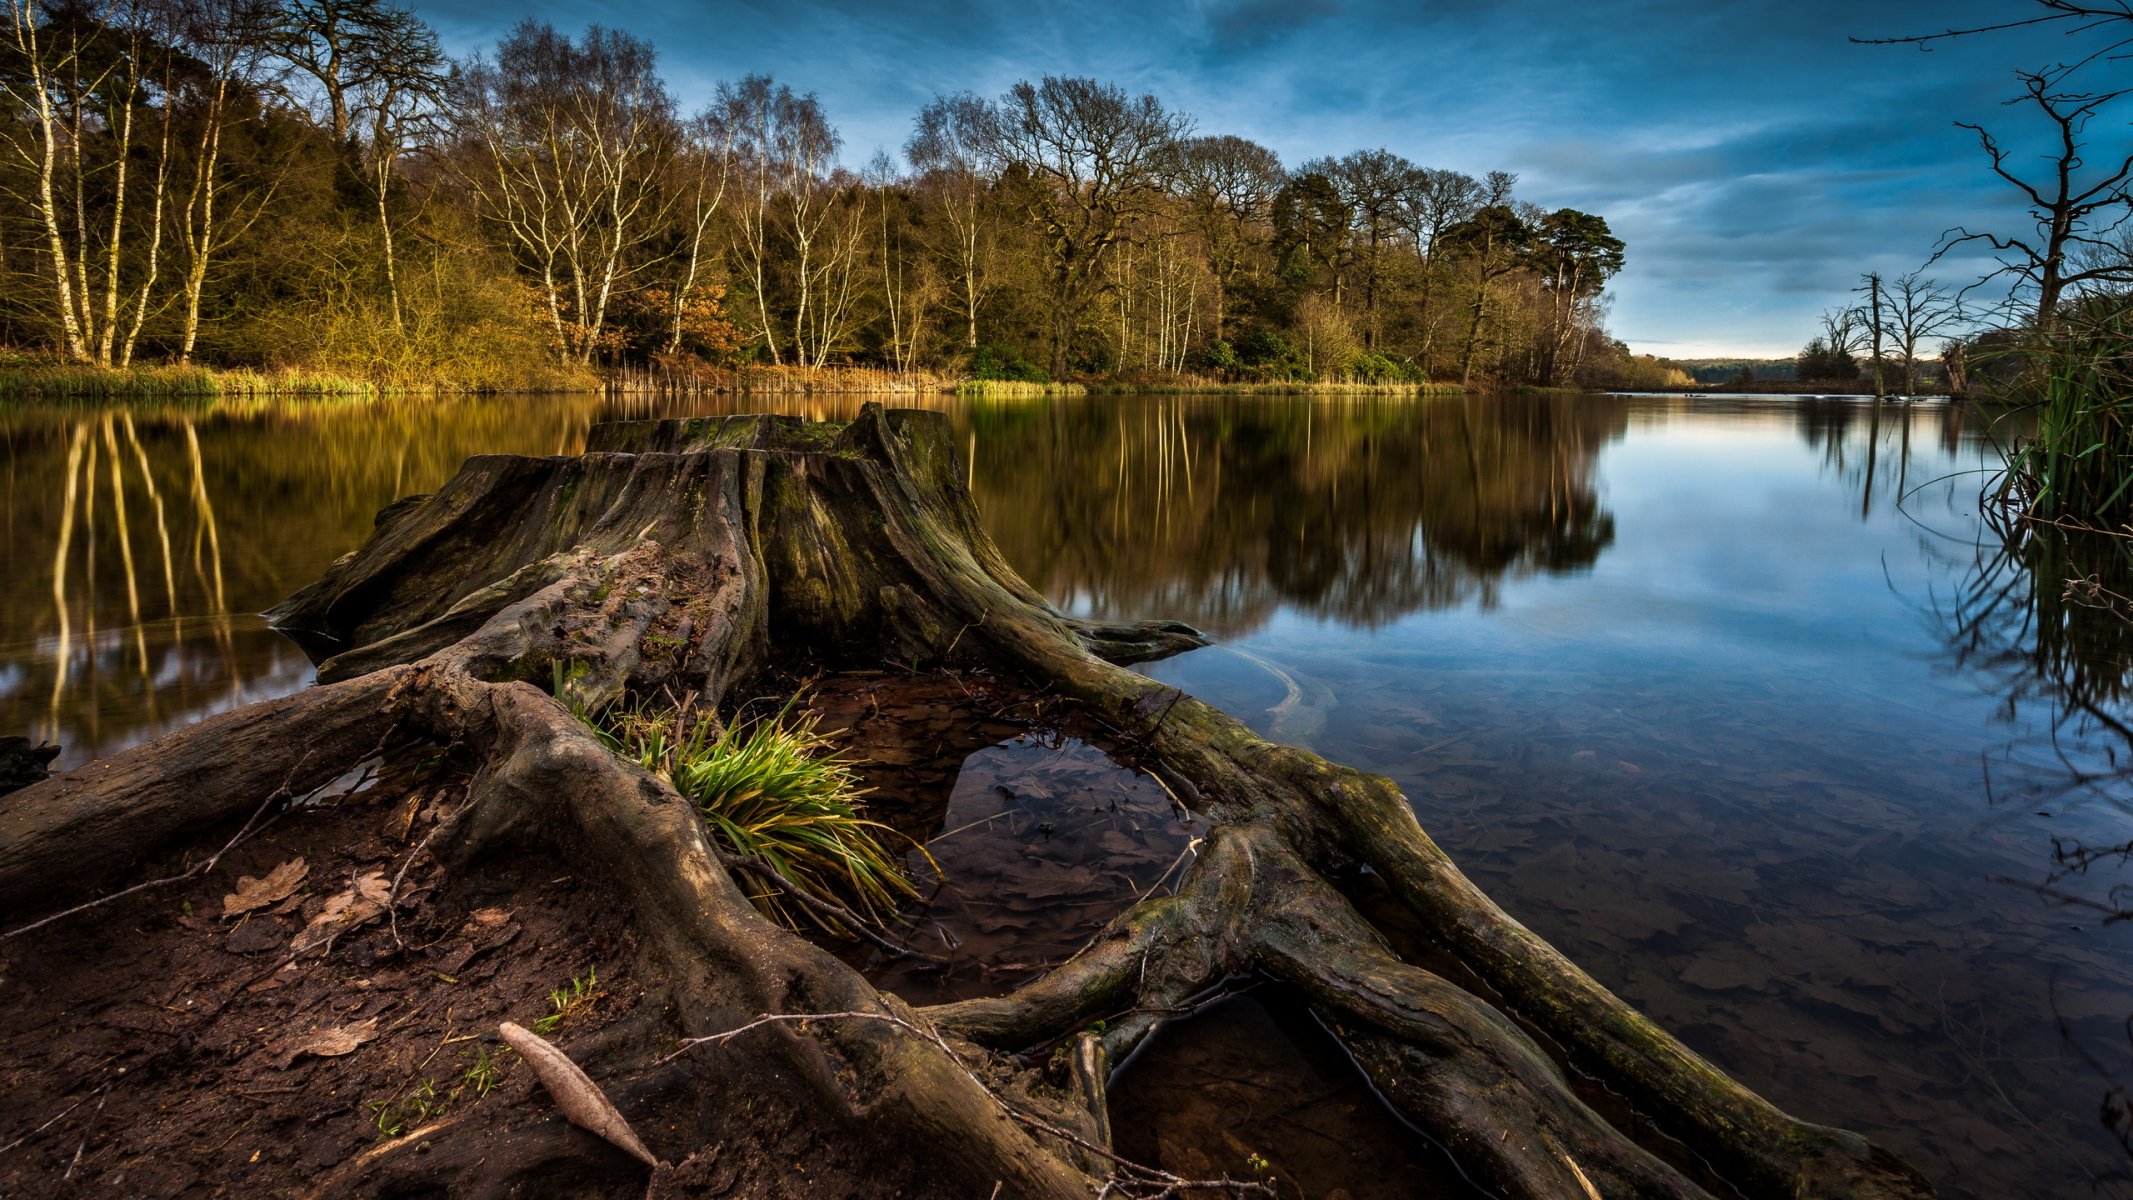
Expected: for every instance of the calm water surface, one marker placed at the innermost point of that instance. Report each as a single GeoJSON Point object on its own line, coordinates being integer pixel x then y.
{"type": "Point", "coordinates": [1779, 759]}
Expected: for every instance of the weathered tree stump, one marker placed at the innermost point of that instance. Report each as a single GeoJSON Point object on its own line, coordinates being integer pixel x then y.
{"type": "Point", "coordinates": [694, 555]}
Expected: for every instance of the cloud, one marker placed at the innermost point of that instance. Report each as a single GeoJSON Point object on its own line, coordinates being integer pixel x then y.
{"type": "Point", "coordinates": [1242, 26]}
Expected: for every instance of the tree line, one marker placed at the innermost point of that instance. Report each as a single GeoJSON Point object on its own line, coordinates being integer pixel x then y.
{"type": "Point", "coordinates": [315, 183]}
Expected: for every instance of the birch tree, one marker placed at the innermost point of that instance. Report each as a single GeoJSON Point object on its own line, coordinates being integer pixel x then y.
{"type": "Point", "coordinates": [572, 141]}
{"type": "Point", "coordinates": [949, 150]}
{"type": "Point", "coordinates": [229, 41]}
{"type": "Point", "coordinates": [92, 87]}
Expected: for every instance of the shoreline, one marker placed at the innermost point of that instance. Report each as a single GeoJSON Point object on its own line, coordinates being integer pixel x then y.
{"type": "Point", "coordinates": [60, 382]}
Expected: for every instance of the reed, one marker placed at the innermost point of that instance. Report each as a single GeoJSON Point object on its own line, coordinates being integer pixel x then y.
{"type": "Point", "coordinates": [2076, 469]}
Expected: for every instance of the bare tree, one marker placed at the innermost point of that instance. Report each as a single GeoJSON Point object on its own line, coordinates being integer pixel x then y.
{"type": "Point", "coordinates": [948, 148]}
{"type": "Point", "coordinates": [1432, 203]}
{"type": "Point", "coordinates": [230, 40]}
{"type": "Point", "coordinates": [1228, 184]}
{"type": "Point", "coordinates": [1917, 308]}
{"type": "Point", "coordinates": [339, 47]}
{"type": "Point", "coordinates": [85, 84]}
{"type": "Point", "coordinates": [703, 165]}
{"type": "Point", "coordinates": [909, 285]}
{"type": "Point", "coordinates": [1095, 158]}
{"type": "Point", "coordinates": [380, 67]}
{"type": "Point", "coordinates": [2110, 17]}
{"type": "Point", "coordinates": [572, 140]}
{"type": "Point", "coordinates": [2072, 209]}
{"type": "Point", "coordinates": [784, 150]}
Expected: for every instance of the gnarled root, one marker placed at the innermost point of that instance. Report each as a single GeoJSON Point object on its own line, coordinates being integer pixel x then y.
{"type": "Point", "coordinates": [685, 557]}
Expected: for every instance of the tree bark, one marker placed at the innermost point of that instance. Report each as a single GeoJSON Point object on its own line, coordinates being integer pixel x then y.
{"type": "Point", "coordinates": [733, 540]}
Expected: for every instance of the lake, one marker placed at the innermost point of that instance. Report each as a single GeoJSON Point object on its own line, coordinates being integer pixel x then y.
{"type": "Point", "coordinates": [1735, 699]}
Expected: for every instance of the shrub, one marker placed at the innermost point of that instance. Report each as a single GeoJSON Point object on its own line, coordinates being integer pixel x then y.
{"type": "Point", "coordinates": [1004, 364]}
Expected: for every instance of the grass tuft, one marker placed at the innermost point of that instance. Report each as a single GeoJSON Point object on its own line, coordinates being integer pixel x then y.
{"type": "Point", "coordinates": [773, 789]}
{"type": "Point", "coordinates": [570, 1001]}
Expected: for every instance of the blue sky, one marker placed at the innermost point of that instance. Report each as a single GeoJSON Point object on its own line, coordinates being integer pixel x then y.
{"type": "Point", "coordinates": [1754, 160]}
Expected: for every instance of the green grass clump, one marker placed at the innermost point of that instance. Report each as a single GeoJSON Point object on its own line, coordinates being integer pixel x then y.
{"type": "Point", "coordinates": [2078, 468]}
{"type": "Point", "coordinates": [568, 1001]}
{"type": "Point", "coordinates": [774, 789]}
{"type": "Point", "coordinates": [2080, 463]}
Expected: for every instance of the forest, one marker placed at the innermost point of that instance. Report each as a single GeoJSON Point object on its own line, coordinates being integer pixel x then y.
{"type": "Point", "coordinates": [317, 187]}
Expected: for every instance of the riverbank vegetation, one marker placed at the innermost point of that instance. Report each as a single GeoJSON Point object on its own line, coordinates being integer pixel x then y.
{"type": "Point", "coordinates": [312, 194]}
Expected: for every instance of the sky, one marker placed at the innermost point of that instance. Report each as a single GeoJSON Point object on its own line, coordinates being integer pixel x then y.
{"type": "Point", "coordinates": [1754, 159]}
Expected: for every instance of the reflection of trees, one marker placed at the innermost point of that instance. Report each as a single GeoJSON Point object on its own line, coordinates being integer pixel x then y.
{"type": "Point", "coordinates": [2047, 617]}
{"type": "Point", "coordinates": [1869, 444]}
{"type": "Point", "coordinates": [133, 539]}
{"type": "Point", "coordinates": [1220, 509]}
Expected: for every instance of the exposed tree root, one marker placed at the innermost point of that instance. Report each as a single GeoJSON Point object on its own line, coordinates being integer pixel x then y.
{"type": "Point", "coordinates": [691, 556]}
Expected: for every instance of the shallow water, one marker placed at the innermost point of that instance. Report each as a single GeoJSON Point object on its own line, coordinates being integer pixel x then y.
{"type": "Point", "coordinates": [1676, 679]}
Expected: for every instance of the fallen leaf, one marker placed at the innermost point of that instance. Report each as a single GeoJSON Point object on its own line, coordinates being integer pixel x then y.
{"type": "Point", "coordinates": [582, 1101]}
{"type": "Point", "coordinates": [325, 1043]}
{"type": "Point", "coordinates": [272, 888]}
{"type": "Point", "coordinates": [362, 902]}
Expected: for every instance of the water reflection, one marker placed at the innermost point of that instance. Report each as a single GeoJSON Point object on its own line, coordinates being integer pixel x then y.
{"type": "Point", "coordinates": [147, 535]}
{"type": "Point", "coordinates": [1229, 509]}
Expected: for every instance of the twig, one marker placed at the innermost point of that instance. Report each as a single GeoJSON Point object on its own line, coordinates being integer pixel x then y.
{"type": "Point", "coordinates": [60, 1116]}
{"type": "Point", "coordinates": [392, 898]}
{"type": "Point", "coordinates": [83, 1145]}
{"type": "Point", "coordinates": [1190, 847]}
{"type": "Point", "coordinates": [1171, 1184]}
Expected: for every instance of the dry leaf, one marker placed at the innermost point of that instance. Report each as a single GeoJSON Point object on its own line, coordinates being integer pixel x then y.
{"type": "Point", "coordinates": [583, 1103]}
{"type": "Point", "coordinates": [362, 902]}
{"type": "Point", "coordinates": [275, 887]}
{"type": "Point", "coordinates": [325, 1043]}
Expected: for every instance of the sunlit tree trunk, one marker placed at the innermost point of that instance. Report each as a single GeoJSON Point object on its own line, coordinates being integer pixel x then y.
{"type": "Point", "coordinates": [46, 126]}
{"type": "Point", "coordinates": [199, 215]}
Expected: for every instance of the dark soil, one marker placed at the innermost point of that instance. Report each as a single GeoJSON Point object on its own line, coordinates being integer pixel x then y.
{"type": "Point", "coordinates": [151, 1047]}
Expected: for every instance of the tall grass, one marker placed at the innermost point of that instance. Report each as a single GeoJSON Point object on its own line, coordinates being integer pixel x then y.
{"type": "Point", "coordinates": [694, 377]}
{"type": "Point", "coordinates": [41, 380]}
{"type": "Point", "coordinates": [2077, 468]}
{"type": "Point", "coordinates": [773, 789]}
{"type": "Point", "coordinates": [1015, 389]}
